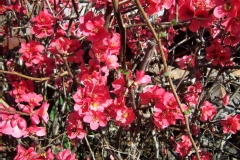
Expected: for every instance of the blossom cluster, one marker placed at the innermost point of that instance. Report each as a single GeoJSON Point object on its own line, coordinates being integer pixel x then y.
{"type": "Point", "coordinates": [81, 57]}
{"type": "Point", "coordinates": [166, 109]}
{"type": "Point", "coordinates": [12, 123]}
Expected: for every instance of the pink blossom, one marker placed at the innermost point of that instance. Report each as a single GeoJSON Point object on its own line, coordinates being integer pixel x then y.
{"type": "Point", "coordinates": [11, 124]}
{"type": "Point", "coordinates": [225, 100]}
{"type": "Point", "coordinates": [35, 130]}
{"type": "Point", "coordinates": [32, 98]}
{"type": "Point", "coordinates": [95, 119]}
{"type": "Point", "coordinates": [66, 155]}
{"type": "Point", "coordinates": [42, 112]}
{"type": "Point", "coordinates": [226, 8]}
{"type": "Point", "coordinates": [141, 78]}
{"type": "Point", "coordinates": [113, 43]}
{"type": "Point", "coordinates": [111, 61]}
{"type": "Point", "coordinates": [208, 111]}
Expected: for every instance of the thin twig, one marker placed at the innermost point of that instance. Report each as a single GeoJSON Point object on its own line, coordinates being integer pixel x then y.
{"type": "Point", "coordinates": [69, 70]}
{"type": "Point", "coordinates": [34, 78]}
{"type": "Point", "coordinates": [89, 148]}
{"type": "Point", "coordinates": [43, 148]}
{"type": "Point", "coordinates": [75, 8]}
{"type": "Point", "coordinates": [14, 112]}
{"type": "Point", "coordinates": [4, 103]}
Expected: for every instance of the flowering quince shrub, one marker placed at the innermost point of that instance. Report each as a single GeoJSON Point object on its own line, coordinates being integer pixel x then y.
{"type": "Point", "coordinates": [119, 79]}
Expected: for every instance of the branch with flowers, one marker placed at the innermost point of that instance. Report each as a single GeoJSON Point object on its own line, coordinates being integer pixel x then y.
{"type": "Point", "coordinates": [119, 79]}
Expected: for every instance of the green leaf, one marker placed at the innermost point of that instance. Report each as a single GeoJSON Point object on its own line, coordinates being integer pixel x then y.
{"type": "Point", "coordinates": [166, 74]}
{"type": "Point", "coordinates": [187, 112]}
{"type": "Point", "coordinates": [120, 70]}
{"type": "Point", "coordinates": [162, 34]}
{"type": "Point", "coordinates": [52, 113]}
{"type": "Point", "coordinates": [126, 73]}
{"type": "Point", "coordinates": [67, 143]}
{"type": "Point", "coordinates": [61, 100]}
{"type": "Point", "coordinates": [173, 22]}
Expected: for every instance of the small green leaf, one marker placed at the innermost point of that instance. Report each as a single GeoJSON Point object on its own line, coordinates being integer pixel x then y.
{"type": "Point", "coordinates": [173, 22]}
{"type": "Point", "coordinates": [166, 74]}
{"type": "Point", "coordinates": [126, 73]}
{"type": "Point", "coordinates": [120, 70]}
{"type": "Point", "coordinates": [162, 34]}
{"type": "Point", "coordinates": [67, 144]}
{"type": "Point", "coordinates": [187, 112]}
{"type": "Point", "coordinates": [52, 113]}
{"type": "Point", "coordinates": [61, 100]}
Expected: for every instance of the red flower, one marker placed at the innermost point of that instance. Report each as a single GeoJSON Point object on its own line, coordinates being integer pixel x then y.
{"type": "Point", "coordinates": [60, 46]}
{"type": "Point", "coordinates": [203, 4]}
{"type": "Point", "coordinates": [43, 24]}
{"type": "Point", "coordinates": [153, 6]}
{"type": "Point", "coordinates": [92, 27]}
{"type": "Point", "coordinates": [186, 10]}
{"type": "Point", "coordinates": [34, 118]}
{"type": "Point", "coordinates": [163, 118]}
{"type": "Point", "coordinates": [231, 124]}
{"type": "Point", "coordinates": [67, 47]}
{"type": "Point", "coordinates": [23, 154]}
{"type": "Point", "coordinates": [119, 86]}
{"type": "Point", "coordinates": [152, 95]}
{"type": "Point", "coordinates": [203, 156]}
{"type": "Point", "coordinates": [201, 19]}
{"type": "Point", "coordinates": [186, 61]}
{"type": "Point", "coordinates": [75, 127]}
{"type": "Point", "coordinates": [125, 116]}
{"type": "Point", "coordinates": [208, 111]}
{"type": "Point", "coordinates": [232, 25]}
{"type": "Point", "coordinates": [28, 49]}
{"type": "Point", "coordinates": [232, 40]}
{"type": "Point", "coordinates": [169, 101]}
{"type": "Point", "coordinates": [218, 54]}
{"type": "Point", "coordinates": [91, 97]}
{"type": "Point", "coordinates": [195, 129]}
{"type": "Point", "coordinates": [184, 146]}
